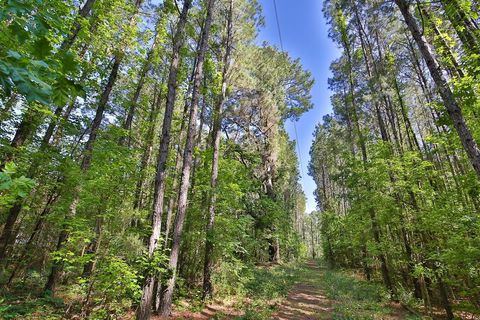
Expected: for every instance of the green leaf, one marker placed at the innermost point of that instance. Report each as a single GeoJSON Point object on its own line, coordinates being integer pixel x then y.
{"type": "Point", "coordinates": [42, 47]}
{"type": "Point", "coordinates": [13, 54]}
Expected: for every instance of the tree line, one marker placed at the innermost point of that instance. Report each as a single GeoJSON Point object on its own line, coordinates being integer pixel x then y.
{"type": "Point", "coordinates": [397, 163]}
{"type": "Point", "coordinates": [143, 151]}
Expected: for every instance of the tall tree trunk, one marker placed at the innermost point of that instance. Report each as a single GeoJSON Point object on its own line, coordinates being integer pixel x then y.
{"type": "Point", "coordinates": [216, 137]}
{"type": "Point", "coordinates": [77, 26]}
{"type": "Point", "coordinates": [463, 25]}
{"type": "Point", "coordinates": [172, 201]}
{"type": "Point", "coordinates": [147, 148]}
{"type": "Point", "coordinates": [127, 126]}
{"type": "Point", "coordinates": [87, 155]}
{"type": "Point", "coordinates": [361, 142]}
{"type": "Point", "coordinates": [144, 309]}
{"type": "Point", "coordinates": [97, 120]}
{"type": "Point", "coordinates": [178, 166]}
{"type": "Point", "coordinates": [31, 119]}
{"type": "Point", "coordinates": [453, 109]}
{"type": "Point", "coordinates": [166, 302]}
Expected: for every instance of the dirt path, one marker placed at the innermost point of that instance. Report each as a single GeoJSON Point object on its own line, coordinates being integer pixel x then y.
{"type": "Point", "coordinates": [209, 312]}
{"type": "Point", "coordinates": [305, 300]}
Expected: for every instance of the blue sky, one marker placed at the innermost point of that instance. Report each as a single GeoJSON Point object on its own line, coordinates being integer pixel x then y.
{"type": "Point", "coordinates": [305, 36]}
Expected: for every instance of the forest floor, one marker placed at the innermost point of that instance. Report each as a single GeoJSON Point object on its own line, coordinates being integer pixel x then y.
{"type": "Point", "coordinates": [308, 291]}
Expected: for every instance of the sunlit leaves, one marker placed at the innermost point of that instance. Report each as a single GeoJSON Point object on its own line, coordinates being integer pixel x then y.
{"type": "Point", "coordinates": [13, 186]}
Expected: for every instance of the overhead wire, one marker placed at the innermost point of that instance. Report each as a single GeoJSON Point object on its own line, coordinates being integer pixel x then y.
{"type": "Point", "coordinates": [294, 122]}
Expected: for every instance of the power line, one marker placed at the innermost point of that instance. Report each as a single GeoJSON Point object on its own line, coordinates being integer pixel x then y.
{"type": "Point", "coordinates": [278, 24]}
{"type": "Point", "coordinates": [294, 122]}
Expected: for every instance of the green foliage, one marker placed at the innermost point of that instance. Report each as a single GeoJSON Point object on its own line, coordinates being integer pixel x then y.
{"type": "Point", "coordinates": [44, 308]}
{"type": "Point", "coordinates": [30, 64]}
{"type": "Point", "coordinates": [267, 286]}
{"type": "Point", "coordinates": [156, 264]}
{"type": "Point", "coordinates": [12, 186]}
{"type": "Point", "coordinates": [92, 201]}
{"type": "Point", "coordinates": [116, 286]}
{"type": "Point", "coordinates": [356, 299]}
{"type": "Point", "coordinates": [397, 194]}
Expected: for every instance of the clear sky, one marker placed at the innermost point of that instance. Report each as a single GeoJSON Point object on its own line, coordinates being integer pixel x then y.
{"type": "Point", "coordinates": [305, 36]}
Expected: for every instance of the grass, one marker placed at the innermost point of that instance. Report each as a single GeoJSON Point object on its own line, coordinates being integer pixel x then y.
{"type": "Point", "coordinates": [30, 308]}
{"type": "Point", "coordinates": [353, 298]}
{"type": "Point", "coordinates": [358, 299]}
{"type": "Point", "coordinates": [264, 288]}
{"type": "Point", "coordinates": [267, 287]}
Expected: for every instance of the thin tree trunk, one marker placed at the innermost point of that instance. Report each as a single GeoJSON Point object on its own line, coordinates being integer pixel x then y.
{"type": "Point", "coordinates": [373, 219]}
{"type": "Point", "coordinates": [38, 225]}
{"type": "Point", "coordinates": [166, 303]}
{"type": "Point", "coordinates": [77, 26]}
{"type": "Point", "coordinates": [84, 166]}
{"type": "Point", "coordinates": [127, 126]}
{"type": "Point", "coordinates": [216, 137]}
{"type": "Point", "coordinates": [453, 109]}
{"type": "Point", "coordinates": [63, 121]}
{"type": "Point", "coordinates": [147, 149]}
{"type": "Point", "coordinates": [144, 309]}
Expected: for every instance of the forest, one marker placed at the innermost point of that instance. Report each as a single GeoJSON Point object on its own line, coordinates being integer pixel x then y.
{"type": "Point", "coordinates": [146, 169]}
{"type": "Point", "coordinates": [397, 163]}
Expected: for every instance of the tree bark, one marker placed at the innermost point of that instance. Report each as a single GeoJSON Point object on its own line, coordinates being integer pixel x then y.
{"type": "Point", "coordinates": [8, 230]}
{"type": "Point", "coordinates": [77, 26]}
{"type": "Point", "coordinates": [166, 302]}
{"type": "Point", "coordinates": [147, 148]}
{"type": "Point", "coordinates": [453, 109]}
{"type": "Point", "coordinates": [361, 141]}
{"type": "Point", "coordinates": [216, 137]}
{"type": "Point", "coordinates": [127, 126]}
{"type": "Point", "coordinates": [172, 202]}
{"type": "Point", "coordinates": [178, 166]}
{"type": "Point", "coordinates": [144, 309]}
